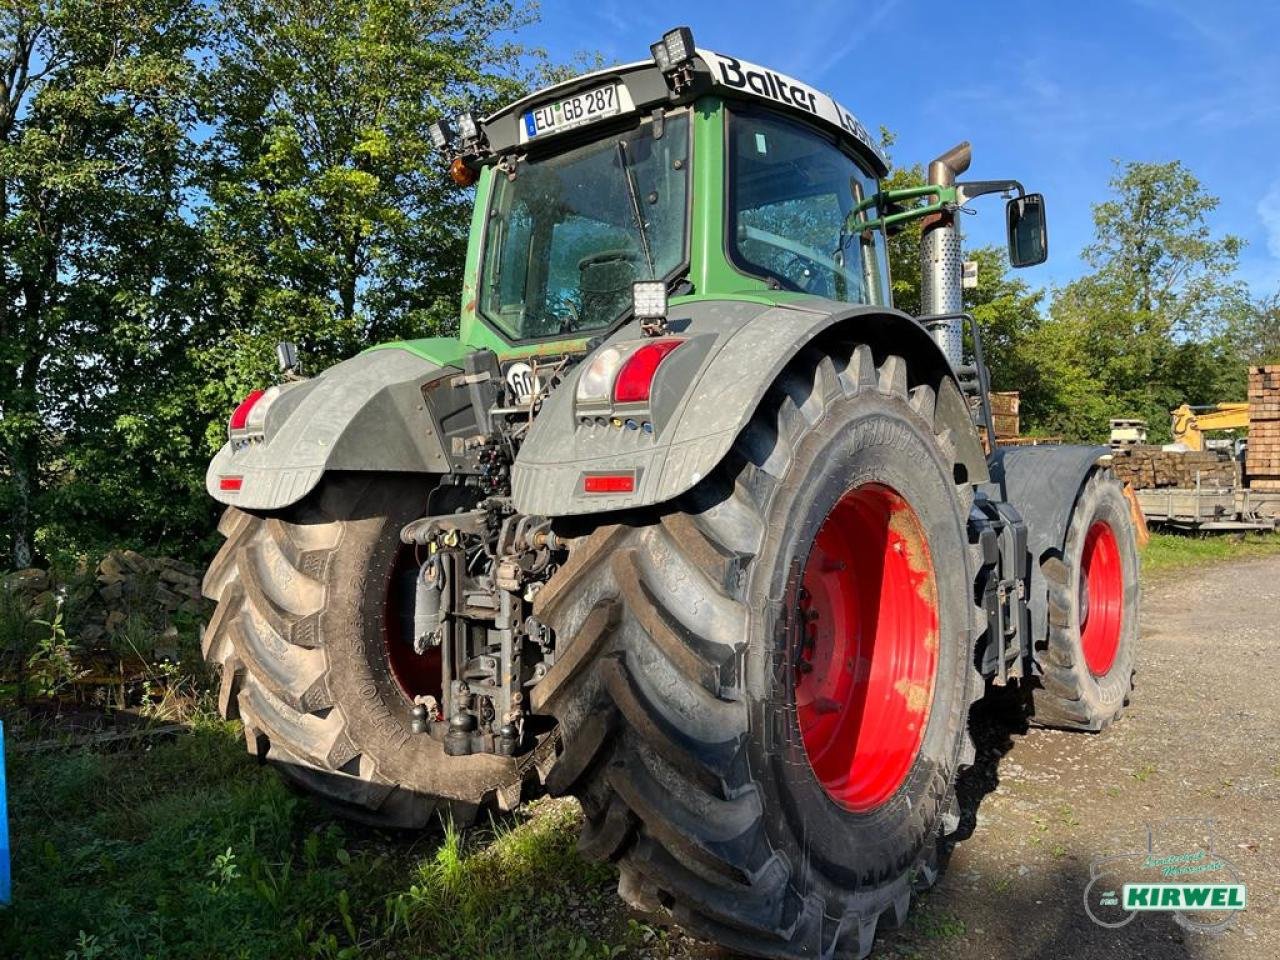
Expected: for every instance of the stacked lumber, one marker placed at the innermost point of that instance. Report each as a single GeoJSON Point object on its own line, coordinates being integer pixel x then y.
{"type": "Point", "coordinates": [1147, 467]}
{"type": "Point", "coordinates": [1004, 412]}
{"type": "Point", "coordinates": [1262, 462]}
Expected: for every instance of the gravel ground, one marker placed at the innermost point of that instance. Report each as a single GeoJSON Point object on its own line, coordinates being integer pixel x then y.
{"type": "Point", "coordinates": [1201, 740]}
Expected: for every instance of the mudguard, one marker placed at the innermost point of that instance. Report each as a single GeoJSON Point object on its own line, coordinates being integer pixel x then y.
{"type": "Point", "coordinates": [705, 395]}
{"type": "Point", "coordinates": [366, 413]}
{"type": "Point", "coordinates": [1043, 484]}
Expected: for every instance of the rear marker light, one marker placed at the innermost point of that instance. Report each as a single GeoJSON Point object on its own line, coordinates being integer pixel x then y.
{"type": "Point", "coordinates": [609, 483]}
{"type": "Point", "coordinates": [230, 484]}
{"type": "Point", "coordinates": [635, 378]}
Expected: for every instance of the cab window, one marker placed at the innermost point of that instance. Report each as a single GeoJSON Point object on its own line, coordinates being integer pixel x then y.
{"type": "Point", "coordinates": [791, 190]}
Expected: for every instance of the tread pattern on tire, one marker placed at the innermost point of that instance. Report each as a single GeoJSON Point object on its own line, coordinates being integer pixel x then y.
{"type": "Point", "coordinates": [265, 637]}
{"type": "Point", "coordinates": [1064, 695]}
{"type": "Point", "coordinates": [645, 694]}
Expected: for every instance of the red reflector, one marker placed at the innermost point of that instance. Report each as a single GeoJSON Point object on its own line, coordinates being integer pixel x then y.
{"type": "Point", "coordinates": [241, 415]}
{"type": "Point", "coordinates": [636, 376]}
{"type": "Point", "coordinates": [230, 483]}
{"type": "Point", "coordinates": [609, 483]}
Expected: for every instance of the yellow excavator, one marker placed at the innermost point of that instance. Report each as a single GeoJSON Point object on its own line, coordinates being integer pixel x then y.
{"type": "Point", "coordinates": [1191, 423]}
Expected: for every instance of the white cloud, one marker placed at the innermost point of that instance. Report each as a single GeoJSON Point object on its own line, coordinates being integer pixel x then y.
{"type": "Point", "coordinates": [1269, 213]}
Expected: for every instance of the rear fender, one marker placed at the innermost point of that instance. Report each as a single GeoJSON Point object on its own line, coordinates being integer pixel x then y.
{"type": "Point", "coordinates": [706, 394]}
{"type": "Point", "coordinates": [365, 414]}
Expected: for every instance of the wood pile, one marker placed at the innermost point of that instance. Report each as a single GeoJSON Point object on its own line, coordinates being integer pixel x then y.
{"type": "Point", "coordinates": [1262, 463]}
{"type": "Point", "coordinates": [1147, 467]}
{"type": "Point", "coordinates": [1004, 411]}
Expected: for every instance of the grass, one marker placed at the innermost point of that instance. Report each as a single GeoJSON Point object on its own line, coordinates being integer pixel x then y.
{"type": "Point", "coordinates": [189, 849]}
{"type": "Point", "coordinates": [1173, 551]}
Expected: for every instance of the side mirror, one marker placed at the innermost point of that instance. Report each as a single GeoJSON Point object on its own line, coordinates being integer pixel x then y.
{"type": "Point", "coordinates": [1028, 232]}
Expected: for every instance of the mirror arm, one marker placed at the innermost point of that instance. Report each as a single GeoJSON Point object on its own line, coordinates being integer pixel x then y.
{"type": "Point", "coordinates": [980, 188]}
{"type": "Point", "coordinates": [943, 197]}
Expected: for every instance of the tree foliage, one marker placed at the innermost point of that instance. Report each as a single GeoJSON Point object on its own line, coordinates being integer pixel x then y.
{"type": "Point", "coordinates": [1153, 325]}
{"type": "Point", "coordinates": [95, 254]}
{"type": "Point", "coordinates": [182, 184]}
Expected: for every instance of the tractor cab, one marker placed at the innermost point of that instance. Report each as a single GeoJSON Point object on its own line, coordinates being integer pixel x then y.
{"type": "Point", "coordinates": [694, 173]}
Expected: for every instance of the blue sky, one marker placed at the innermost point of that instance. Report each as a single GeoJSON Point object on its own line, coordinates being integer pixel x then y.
{"type": "Point", "coordinates": [1048, 92]}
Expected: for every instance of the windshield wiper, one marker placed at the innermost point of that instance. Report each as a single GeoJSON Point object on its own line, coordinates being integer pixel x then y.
{"type": "Point", "coordinates": [634, 194]}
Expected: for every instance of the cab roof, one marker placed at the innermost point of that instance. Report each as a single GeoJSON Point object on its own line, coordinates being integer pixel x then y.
{"type": "Point", "coordinates": [641, 87]}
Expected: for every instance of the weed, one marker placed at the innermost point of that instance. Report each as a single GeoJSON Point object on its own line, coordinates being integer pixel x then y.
{"type": "Point", "coordinates": [52, 665]}
{"type": "Point", "coordinates": [191, 850]}
{"type": "Point", "coordinates": [1144, 772]}
{"type": "Point", "coordinates": [936, 924]}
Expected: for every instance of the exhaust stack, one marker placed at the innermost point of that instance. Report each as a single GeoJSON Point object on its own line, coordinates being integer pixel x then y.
{"type": "Point", "coordinates": [940, 259]}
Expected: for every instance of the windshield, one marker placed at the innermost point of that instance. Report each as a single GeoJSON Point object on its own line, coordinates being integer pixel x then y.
{"type": "Point", "coordinates": [563, 243]}
{"type": "Point", "coordinates": [790, 190]}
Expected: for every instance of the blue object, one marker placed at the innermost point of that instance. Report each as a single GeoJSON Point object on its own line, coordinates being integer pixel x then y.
{"type": "Point", "coordinates": [5, 890]}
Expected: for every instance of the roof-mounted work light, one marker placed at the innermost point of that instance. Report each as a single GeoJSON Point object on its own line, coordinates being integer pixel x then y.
{"type": "Point", "coordinates": [673, 55]}
{"type": "Point", "coordinates": [467, 128]}
{"type": "Point", "coordinates": [440, 134]}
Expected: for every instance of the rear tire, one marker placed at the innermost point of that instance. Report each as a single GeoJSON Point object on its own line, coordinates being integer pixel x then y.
{"type": "Point", "coordinates": [676, 696]}
{"type": "Point", "coordinates": [299, 635]}
{"type": "Point", "coordinates": [1087, 663]}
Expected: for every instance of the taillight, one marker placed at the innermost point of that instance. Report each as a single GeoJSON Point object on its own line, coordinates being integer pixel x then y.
{"type": "Point", "coordinates": [635, 378]}
{"type": "Point", "coordinates": [597, 379]}
{"type": "Point", "coordinates": [624, 372]}
{"type": "Point", "coordinates": [240, 416]}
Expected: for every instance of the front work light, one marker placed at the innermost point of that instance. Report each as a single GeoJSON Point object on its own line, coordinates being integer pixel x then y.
{"type": "Point", "coordinates": [679, 44]}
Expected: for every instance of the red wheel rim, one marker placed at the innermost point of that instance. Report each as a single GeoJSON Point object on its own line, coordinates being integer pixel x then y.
{"type": "Point", "coordinates": [1101, 598]}
{"type": "Point", "coordinates": [415, 675]}
{"type": "Point", "coordinates": [869, 648]}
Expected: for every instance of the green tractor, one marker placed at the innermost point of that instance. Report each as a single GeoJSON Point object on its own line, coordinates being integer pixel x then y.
{"type": "Point", "coordinates": [688, 523]}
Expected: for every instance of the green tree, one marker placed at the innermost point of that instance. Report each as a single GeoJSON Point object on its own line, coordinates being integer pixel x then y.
{"type": "Point", "coordinates": [1258, 331]}
{"type": "Point", "coordinates": [1007, 310]}
{"type": "Point", "coordinates": [1151, 326]}
{"type": "Point", "coordinates": [94, 265]}
{"type": "Point", "coordinates": [332, 221]}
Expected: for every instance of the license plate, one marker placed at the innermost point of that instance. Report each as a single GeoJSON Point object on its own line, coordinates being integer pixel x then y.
{"type": "Point", "coordinates": [582, 108]}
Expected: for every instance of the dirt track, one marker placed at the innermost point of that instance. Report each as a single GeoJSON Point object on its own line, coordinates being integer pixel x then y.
{"type": "Point", "coordinates": [1202, 739]}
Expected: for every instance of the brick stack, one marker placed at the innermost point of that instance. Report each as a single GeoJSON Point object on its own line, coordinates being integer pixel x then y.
{"type": "Point", "coordinates": [1147, 467]}
{"type": "Point", "coordinates": [1263, 461]}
